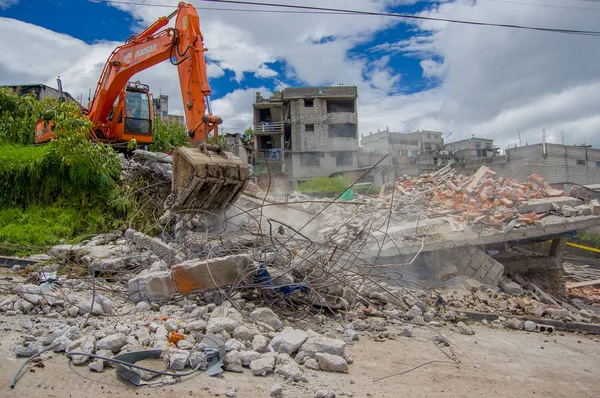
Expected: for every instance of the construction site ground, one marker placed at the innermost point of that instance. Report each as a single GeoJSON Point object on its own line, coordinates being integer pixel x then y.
{"type": "Point", "coordinates": [497, 363]}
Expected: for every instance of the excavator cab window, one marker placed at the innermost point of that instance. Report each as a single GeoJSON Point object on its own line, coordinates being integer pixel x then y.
{"type": "Point", "coordinates": [137, 113]}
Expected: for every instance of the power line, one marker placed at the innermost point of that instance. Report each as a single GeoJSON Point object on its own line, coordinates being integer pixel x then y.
{"type": "Point", "coordinates": [219, 8]}
{"type": "Point", "coordinates": [339, 11]}
{"type": "Point", "coordinates": [544, 5]}
{"type": "Point", "coordinates": [409, 16]}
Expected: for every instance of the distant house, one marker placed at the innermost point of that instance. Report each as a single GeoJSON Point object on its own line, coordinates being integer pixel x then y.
{"type": "Point", "coordinates": [40, 91]}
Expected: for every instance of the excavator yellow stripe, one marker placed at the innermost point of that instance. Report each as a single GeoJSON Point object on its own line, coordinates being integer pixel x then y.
{"type": "Point", "coordinates": [583, 247]}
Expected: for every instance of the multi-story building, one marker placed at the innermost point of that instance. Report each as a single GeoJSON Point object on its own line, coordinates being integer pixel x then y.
{"type": "Point", "coordinates": [472, 148]}
{"type": "Point", "coordinates": [160, 109]}
{"type": "Point", "coordinates": [307, 132]}
{"type": "Point", "coordinates": [40, 91]}
{"type": "Point", "coordinates": [402, 148]}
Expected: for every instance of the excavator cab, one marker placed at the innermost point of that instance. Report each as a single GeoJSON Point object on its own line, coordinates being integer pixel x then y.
{"type": "Point", "coordinates": [138, 119]}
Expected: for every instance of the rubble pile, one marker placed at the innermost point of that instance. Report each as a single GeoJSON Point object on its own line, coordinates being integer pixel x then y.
{"type": "Point", "coordinates": [489, 200]}
{"type": "Point", "coordinates": [248, 291]}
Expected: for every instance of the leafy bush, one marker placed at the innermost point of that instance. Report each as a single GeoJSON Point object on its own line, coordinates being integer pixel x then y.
{"type": "Point", "coordinates": [325, 185]}
{"type": "Point", "coordinates": [17, 117]}
{"type": "Point", "coordinates": [167, 135]}
{"type": "Point", "coordinates": [58, 190]}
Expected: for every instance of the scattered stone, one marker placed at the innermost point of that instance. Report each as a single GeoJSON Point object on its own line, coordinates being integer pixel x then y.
{"type": "Point", "coordinates": [266, 316]}
{"type": "Point", "coordinates": [86, 346]}
{"type": "Point", "coordinates": [262, 366]}
{"type": "Point", "coordinates": [350, 335]}
{"type": "Point", "coordinates": [218, 324]}
{"type": "Point", "coordinates": [25, 350]}
{"type": "Point", "coordinates": [312, 363]}
{"type": "Point", "coordinates": [114, 342]}
{"type": "Point", "coordinates": [61, 343]}
{"type": "Point", "coordinates": [323, 345]}
{"type": "Point", "coordinates": [514, 323]}
{"type": "Point", "coordinates": [97, 365]}
{"type": "Point", "coordinates": [248, 356]}
{"type": "Point", "coordinates": [276, 391]}
{"type": "Point", "coordinates": [198, 359]}
{"type": "Point", "coordinates": [512, 288]}
{"type": "Point", "coordinates": [233, 362]}
{"type": "Point", "coordinates": [289, 340]}
{"type": "Point", "coordinates": [472, 285]}
{"type": "Point", "coordinates": [291, 371]}
{"type": "Point", "coordinates": [260, 343]}
{"type": "Point", "coordinates": [324, 394]}
{"type": "Point", "coordinates": [530, 326]}
{"type": "Point", "coordinates": [534, 310]}
{"type": "Point", "coordinates": [331, 363]}
{"type": "Point", "coordinates": [450, 316]}
{"type": "Point", "coordinates": [244, 333]}
{"type": "Point", "coordinates": [464, 329]}
{"type": "Point", "coordinates": [407, 331]}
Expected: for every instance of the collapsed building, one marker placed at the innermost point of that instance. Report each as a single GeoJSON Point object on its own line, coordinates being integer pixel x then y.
{"type": "Point", "coordinates": [252, 289]}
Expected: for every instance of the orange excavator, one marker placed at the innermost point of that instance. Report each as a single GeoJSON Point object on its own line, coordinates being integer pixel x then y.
{"type": "Point", "coordinates": [205, 177]}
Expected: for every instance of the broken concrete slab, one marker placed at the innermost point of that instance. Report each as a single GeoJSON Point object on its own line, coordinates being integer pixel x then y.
{"type": "Point", "coordinates": [201, 275]}
{"type": "Point", "coordinates": [156, 246]}
{"type": "Point", "coordinates": [190, 276]}
{"type": "Point", "coordinates": [152, 287]}
{"type": "Point", "coordinates": [545, 205]}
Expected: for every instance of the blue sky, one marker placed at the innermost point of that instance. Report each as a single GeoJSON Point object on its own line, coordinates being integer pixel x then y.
{"type": "Point", "coordinates": [460, 80]}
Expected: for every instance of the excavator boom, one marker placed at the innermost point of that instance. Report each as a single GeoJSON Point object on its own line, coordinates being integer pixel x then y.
{"type": "Point", "coordinates": [204, 177]}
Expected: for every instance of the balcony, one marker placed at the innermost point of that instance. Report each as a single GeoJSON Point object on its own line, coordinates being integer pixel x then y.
{"type": "Point", "coordinates": [265, 128]}
{"type": "Point", "coordinates": [269, 154]}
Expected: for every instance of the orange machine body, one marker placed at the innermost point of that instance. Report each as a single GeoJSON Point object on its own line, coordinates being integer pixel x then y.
{"type": "Point", "coordinates": [183, 46]}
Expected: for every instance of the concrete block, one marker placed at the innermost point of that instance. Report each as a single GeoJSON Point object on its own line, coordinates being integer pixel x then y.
{"type": "Point", "coordinates": [200, 275]}
{"type": "Point", "coordinates": [595, 206]}
{"type": "Point", "coordinates": [545, 205]}
{"type": "Point", "coordinates": [156, 246]}
{"type": "Point", "coordinates": [151, 287]}
{"type": "Point", "coordinates": [583, 210]}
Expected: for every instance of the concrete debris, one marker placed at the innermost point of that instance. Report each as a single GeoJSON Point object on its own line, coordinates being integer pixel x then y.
{"type": "Point", "coordinates": [289, 340]}
{"type": "Point", "coordinates": [239, 299]}
{"type": "Point", "coordinates": [331, 363]}
{"type": "Point", "coordinates": [262, 366]}
{"type": "Point", "coordinates": [266, 316]}
{"type": "Point", "coordinates": [276, 391]}
{"type": "Point", "coordinates": [464, 329]}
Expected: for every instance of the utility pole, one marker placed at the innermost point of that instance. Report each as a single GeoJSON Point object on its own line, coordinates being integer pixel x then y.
{"type": "Point", "coordinates": [519, 134]}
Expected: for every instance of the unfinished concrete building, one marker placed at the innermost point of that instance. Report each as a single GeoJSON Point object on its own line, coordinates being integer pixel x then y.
{"type": "Point", "coordinates": [160, 109]}
{"type": "Point", "coordinates": [412, 153]}
{"type": "Point", "coordinates": [307, 132]}
{"type": "Point", "coordinates": [472, 148]}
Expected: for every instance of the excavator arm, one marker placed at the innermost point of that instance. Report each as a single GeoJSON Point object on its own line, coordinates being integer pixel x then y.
{"type": "Point", "coordinates": [205, 177]}
{"type": "Point", "coordinates": [183, 46]}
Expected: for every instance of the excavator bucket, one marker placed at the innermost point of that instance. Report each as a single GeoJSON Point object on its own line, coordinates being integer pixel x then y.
{"type": "Point", "coordinates": [207, 178]}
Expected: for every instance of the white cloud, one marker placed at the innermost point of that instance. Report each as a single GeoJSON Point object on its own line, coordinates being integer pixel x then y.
{"type": "Point", "coordinates": [4, 4]}
{"type": "Point", "coordinates": [491, 81]}
{"type": "Point", "coordinates": [432, 68]}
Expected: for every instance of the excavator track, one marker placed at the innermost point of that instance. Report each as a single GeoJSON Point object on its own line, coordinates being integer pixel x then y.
{"type": "Point", "coordinates": [207, 178]}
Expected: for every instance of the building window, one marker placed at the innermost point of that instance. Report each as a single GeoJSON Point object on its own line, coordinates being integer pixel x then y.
{"type": "Point", "coordinates": [309, 127]}
{"type": "Point", "coordinates": [308, 103]}
{"type": "Point", "coordinates": [597, 164]}
{"type": "Point", "coordinates": [343, 158]}
{"type": "Point", "coordinates": [428, 146]}
{"type": "Point", "coordinates": [309, 159]}
{"type": "Point", "coordinates": [342, 130]}
{"type": "Point", "coordinates": [404, 152]}
{"type": "Point", "coordinates": [488, 145]}
{"type": "Point", "coordinates": [581, 162]}
{"type": "Point", "coordinates": [334, 106]}
{"type": "Point", "coordinates": [478, 145]}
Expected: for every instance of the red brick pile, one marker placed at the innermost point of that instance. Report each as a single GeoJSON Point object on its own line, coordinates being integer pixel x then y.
{"type": "Point", "coordinates": [482, 198]}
